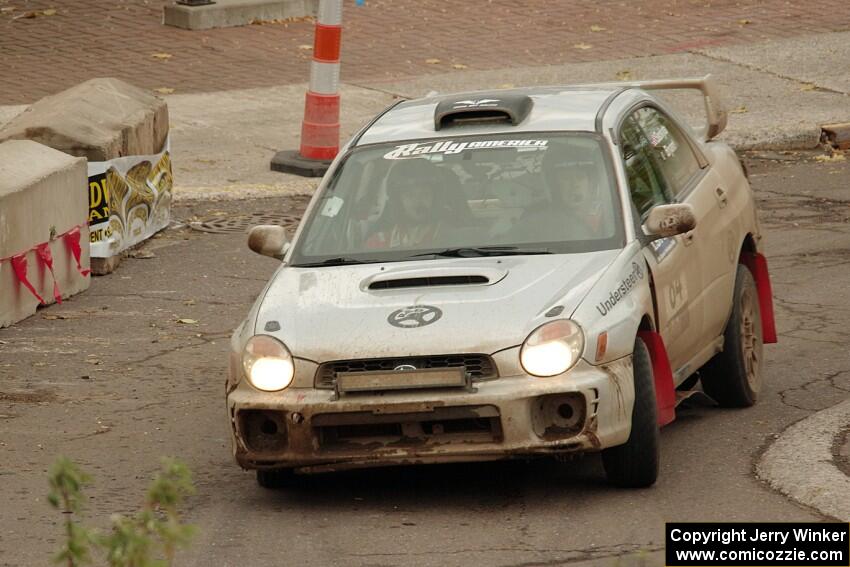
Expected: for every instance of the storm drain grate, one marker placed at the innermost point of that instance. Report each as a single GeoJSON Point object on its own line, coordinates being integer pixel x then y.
{"type": "Point", "coordinates": [242, 222]}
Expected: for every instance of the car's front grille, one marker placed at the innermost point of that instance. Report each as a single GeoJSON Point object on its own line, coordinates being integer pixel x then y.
{"type": "Point", "coordinates": [479, 366]}
{"type": "Point", "coordinates": [359, 431]}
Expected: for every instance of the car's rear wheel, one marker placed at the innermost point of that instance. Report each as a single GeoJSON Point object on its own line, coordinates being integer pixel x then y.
{"type": "Point", "coordinates": [635, 463]}
{"type": "Point", "coordinates": [733, 376]}
{"type": "Point", "coordinates": [274, 478]}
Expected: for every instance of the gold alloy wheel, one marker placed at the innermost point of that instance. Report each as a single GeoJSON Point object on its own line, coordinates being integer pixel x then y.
{"type": "Point", "coordinates": [751, 340]}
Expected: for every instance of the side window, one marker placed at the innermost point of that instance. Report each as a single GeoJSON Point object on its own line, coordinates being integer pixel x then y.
{"type": "Point", "coordinates": [669, 148]}
{"type": "Point", "coordinates": [646, 183]}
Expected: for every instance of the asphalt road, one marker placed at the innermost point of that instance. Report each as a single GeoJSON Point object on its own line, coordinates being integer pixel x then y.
{"type": "Point", "coordinates": [113, 379]}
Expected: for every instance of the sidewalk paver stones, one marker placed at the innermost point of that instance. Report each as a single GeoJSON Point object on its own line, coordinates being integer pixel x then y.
{"type": "Point", "coordinates": [384, 39]}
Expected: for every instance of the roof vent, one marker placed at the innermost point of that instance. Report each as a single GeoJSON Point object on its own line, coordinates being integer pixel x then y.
{"type": "Point", "coordinates": [482, 109]}
{"type": "Point", "coordinates": [429, 282]}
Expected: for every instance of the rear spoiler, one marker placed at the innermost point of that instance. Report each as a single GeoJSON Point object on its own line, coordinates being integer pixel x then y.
{"type": "Point", "coordinates": [714, 110]}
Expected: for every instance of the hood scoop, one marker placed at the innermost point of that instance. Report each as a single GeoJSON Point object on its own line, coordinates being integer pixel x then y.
{"type": "Point", "coordinates": [433, 277]}
{"type": "Point", "coordinates": [430, 282]}
{"type": "Point", "coordinates": [481, 108]}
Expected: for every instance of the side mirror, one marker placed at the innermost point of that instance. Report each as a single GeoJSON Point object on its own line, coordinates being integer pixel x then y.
{"type": "Point", "coordinates": [669, 220]}
{"type": "Point", "coordinates": [268, 240]}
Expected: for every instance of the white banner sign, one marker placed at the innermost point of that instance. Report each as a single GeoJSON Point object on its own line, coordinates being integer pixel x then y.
{"type": "Point", "coordinates": [129, 200]}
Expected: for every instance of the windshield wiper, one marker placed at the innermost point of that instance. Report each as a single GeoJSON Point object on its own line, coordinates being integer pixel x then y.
{"type": "Point", "coordinates": [478, 251]}
{"type": "Point", "coordinates": [339, 261]}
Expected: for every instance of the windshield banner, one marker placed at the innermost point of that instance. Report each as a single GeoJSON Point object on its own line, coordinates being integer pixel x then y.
{"type": "Point", "coordinates": [407, 151]}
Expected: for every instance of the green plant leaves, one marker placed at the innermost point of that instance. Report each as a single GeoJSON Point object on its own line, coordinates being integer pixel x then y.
{"type": "Point", "coordinates": [148, 539]}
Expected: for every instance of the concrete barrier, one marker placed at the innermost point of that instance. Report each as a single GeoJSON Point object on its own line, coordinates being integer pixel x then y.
{"type": "Point", "coordinates": [228, 13]}
{"type": "Point", "coordinates": [100, 119]}
{"type": "Point", "coordinates": [105, 120]}
{"type": "Point", "coordinates": [41, 206]}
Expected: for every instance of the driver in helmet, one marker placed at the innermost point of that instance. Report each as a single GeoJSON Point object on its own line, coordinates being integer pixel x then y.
{"type": "Point", "coordinates": [572, 209]}
{"type": "Point", "coordinates": [411, 217]}
{"type": "Point", "coordinates": [576, 188]}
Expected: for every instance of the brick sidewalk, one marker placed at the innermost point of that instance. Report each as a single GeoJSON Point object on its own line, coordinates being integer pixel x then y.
{"type": "Point", "coordinates": [384, 39]}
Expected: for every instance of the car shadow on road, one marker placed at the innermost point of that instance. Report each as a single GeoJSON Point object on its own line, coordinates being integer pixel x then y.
{"type": "Point", "coordinates": [575, 481]}
{"type": "Point", "coordinates": [446, 485]}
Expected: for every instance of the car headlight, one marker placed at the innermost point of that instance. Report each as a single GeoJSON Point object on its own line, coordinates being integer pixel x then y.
{"type": "Point", "coordinates": [552, 348]}
{"type": "Point", "coordinates": [267, 363]}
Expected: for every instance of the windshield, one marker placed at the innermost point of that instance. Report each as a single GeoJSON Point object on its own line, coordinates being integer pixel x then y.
{"type": "Point", "coordinates": [493, 195]}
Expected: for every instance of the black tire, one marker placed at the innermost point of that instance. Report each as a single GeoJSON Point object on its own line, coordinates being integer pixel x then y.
{"type": "Point", "coordinates": [635, 464]}
{"type": "Point", "coordinates": [274, 478]}
{"type": "Point", "coordinates": [733, 377]}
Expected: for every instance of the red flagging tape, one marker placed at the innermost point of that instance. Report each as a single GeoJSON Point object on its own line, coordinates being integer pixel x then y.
{"type": "Point", "coordinates": [19, 264]}
{"type": "Point", "coordinates": [665, 391]}
{"type": "Point", "coordinates": [72, 241]}
{"type": "Point", "coordinates": [43, 251]}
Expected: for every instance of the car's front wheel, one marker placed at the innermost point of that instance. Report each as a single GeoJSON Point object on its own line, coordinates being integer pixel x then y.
{"type": "Point", "coordinates": [733, 376]}
{"type": "Point", "coordinates": [635, 463]}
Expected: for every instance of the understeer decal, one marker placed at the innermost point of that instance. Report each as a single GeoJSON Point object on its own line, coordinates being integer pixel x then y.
{"type": "Point", "coordinates": [626, 285]}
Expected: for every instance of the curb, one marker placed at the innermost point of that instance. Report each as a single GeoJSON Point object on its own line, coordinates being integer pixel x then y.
{"type": "Point", "coordinates": [238, 192]}
{"type": "Point", "coordinates": [800, 463]}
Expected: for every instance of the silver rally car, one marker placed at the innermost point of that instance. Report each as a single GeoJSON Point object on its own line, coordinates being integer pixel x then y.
{"type": "Point", "coordinates": [505, 274]}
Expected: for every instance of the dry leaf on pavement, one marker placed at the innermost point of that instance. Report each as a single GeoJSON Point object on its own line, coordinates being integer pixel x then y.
{"type": "Point", "coordinates": [744, 22]}
{"type": "Point", "coordinates": [141, 254]}
{"type": "Point", "coordinates": [162, 56]}
{"type": "Point", "coordinates": [625, 75]}
{"type": "Point", "coordinates": [305, 47]}
{"type": "Point", "coordinates": [739, 110]}
{"type": "Point", "coordinates": [808, 87]}
{"type": "Point", "coordinates": [459, 66]}
{"type": "Point", "coordinates": [432, 61]}
{"type": "Point", "coordinates": [35, 14]}
{"type": "Point", "coordinates": [187, 321]}
{"type": "Point", "coordinates": [283, 21]}
{"type": "Point", "coordinates": [582, 46]}
{"type": "Point", "coordinates": [595, 28]}
{"type": "Point", "coordinates": [836, 156]}
{"type": "Point", "coordinates": [164, 90]}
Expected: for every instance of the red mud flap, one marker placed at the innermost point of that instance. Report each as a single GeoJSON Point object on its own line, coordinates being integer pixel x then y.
{"type": "Point", "coordinates": [665, 392]}
{"type": "Point", "coordinates": [757, 264]}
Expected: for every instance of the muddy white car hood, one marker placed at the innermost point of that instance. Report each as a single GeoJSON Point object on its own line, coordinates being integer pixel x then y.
{"type": "Point", "coordinates": [330, 313]}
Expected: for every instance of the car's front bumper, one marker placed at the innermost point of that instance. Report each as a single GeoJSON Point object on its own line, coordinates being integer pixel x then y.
{"type": "Point", "coordinates": [587, 409]}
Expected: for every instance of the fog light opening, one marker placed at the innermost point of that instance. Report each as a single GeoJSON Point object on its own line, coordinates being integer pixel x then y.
{"type": "Point", "coordinates": [559, 416]}
{"type": "Point", "coordinates": [269, 427]}
{"type": "Point", "coordinates": [262, 431]}
{"type": "Point", "coordinates": [566, 411]}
